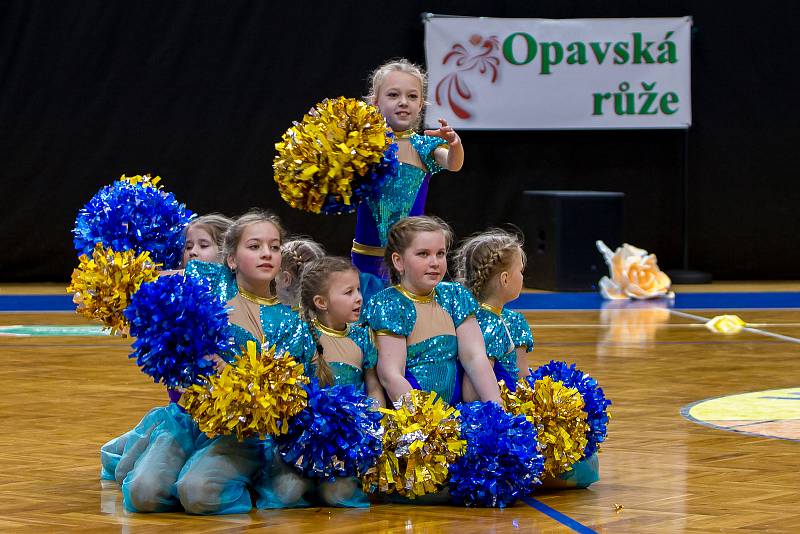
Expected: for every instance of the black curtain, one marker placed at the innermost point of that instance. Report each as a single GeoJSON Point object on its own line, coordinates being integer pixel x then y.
{"type": "Point", "coordinates": [198, 93]}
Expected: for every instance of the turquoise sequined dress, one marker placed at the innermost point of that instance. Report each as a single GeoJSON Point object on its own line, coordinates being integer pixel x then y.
{"type": "Point", "coordinates": [344, 373]}
{"type": "Point", "coordinates": [401, 196]}
{"type": "Point", "coordinates": [281, 325]}
{"type": "Point", "coordinates": [432, 362]}
{"type": "Point", "coordinates": [503, 334]}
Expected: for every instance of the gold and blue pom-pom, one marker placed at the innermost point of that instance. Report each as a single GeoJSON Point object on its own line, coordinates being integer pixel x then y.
{"type": "Point", "coordinates": [134, 213]}
{"type": "Point", "coordinates": [365, 186]}
{"type": "Point", "coordinates": [502, 461]}
{"type": "Point", "coordinates": [595, 403]}
{"type": "Point", "coordinates": [256, 395]}
{"type": "Point", "coordinates": [421, 439]}
{"type": "Point", "coordinates": [337, 154]}
{"type": "Point", "coordinates": [104, 284]}
{"type": "Point", "coordinates": [177, 321]}
{"type": "Point", "coordinates": [557, 413]}
{"type": "Point", "coordinates": [338, 434]}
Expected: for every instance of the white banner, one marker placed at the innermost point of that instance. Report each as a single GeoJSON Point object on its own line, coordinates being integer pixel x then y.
{"type": "Point", "coordinates": [539, 74]}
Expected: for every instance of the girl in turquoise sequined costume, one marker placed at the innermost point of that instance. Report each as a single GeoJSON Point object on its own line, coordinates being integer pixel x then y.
{"type": "Point", "coordinates": [398, 90]}
{"type": "Point", "coordinates": [490, 265]}
{"type": "Point", "coordinates": [426, 329]}
{"type": "Point", "coordinates": [344, 351]}
{"type": "Point", "coordinates": [218, 477]}
{"type": "Point", "coordinates": [331, 304]}
{"type": "Point", "coordinates": [146, 461]}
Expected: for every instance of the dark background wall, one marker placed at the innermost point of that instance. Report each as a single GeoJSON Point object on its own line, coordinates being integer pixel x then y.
{"type": "Point", "coordinates": [198, 92]}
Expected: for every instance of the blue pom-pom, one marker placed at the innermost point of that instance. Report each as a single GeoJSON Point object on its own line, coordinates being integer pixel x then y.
{"type": "Point", "coordinates": [367, 185]}
{"type": "Point", "coordinates": [595, 402]}
{"type": "Point", "coordinates": [502, 462]}
{"type": "Point", "coordinates": [140, 217]}
{"type": "Point", "coordinates": [177, 321]}
{"type": "Point", "coordinates": [338, 434]}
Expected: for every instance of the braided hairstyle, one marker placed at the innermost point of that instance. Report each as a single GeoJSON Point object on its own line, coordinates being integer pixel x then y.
{"type": "Point", "coordinates": [233, 235]}
{"type": "Point", "coordinates": [315, 280]}
{"type": "Point", "coordinates": [402, 233]}
{"type": "Point", "coordinates": [483, 256]}
{"type": "Point", "coordinates": [295, 254]}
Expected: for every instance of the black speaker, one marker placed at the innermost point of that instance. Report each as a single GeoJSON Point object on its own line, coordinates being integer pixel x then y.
{"type": "Point", "coordinates": [561, 228]}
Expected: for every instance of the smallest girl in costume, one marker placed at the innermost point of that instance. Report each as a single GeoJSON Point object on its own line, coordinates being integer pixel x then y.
{"type": "Point", "coordinates": [331, 304]}
{"type": "Point", "coordinates": [345, 353]}
{"type": "Point", "coordinates": [490, 265]}
{"type": "Point", "coordinates": [427, 332]}
{"type": "Point", "coordinates": [295, 255]}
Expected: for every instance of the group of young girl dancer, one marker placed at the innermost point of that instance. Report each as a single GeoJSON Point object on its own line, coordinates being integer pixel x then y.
{"type": "Point", "coordinates": [414, 331]}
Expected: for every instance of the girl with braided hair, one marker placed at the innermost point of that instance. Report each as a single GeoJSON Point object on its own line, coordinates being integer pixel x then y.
{"type": "Point", "coordinates": [295, 254]}
{"type": "Point", "coordinates": [490, 265]}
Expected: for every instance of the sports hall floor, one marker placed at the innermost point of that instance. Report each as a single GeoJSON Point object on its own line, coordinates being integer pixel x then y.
{"type": "Point", "coordinates": [671, 462]}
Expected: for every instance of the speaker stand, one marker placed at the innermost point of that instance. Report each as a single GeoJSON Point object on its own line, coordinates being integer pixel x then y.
{"type": "Point", "coordinates": [686, 275]}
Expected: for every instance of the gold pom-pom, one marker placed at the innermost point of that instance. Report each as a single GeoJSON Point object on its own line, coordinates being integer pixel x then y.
{"type": "Point", "coordinates": [103, 284]}
{"type": "Point", "coordinates": [557, 412]}
{"type": "Point", "coordinates": [254, 396]}
{"type": "Point", "coordinates": [337, 140]}
{"type": "Point", "coordinates": [420, 441]}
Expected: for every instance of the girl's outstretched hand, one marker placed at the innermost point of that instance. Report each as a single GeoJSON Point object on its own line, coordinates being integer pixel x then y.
{"type": "Point", "coordinates": [445, 132]}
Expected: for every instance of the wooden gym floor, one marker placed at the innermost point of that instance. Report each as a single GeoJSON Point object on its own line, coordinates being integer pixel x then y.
{"type": "Point", "coordinates": [62, 397]}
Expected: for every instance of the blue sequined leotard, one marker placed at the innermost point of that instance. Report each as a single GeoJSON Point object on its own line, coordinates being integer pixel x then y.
{"type": "Point", "coordinates": [503, 332]}
{"type": "Point", "coordinates": [280, 325]}
{"type": "Point", "coordinates": [429, 326]}
{"type": "Point", "coordinates": [401, 196]}
{"type": "Point", "coordinates": [344, 373]}
{"type": "Point", "coordinates": [519, 328]}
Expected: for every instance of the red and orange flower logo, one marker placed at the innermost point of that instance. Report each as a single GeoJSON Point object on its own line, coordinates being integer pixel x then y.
{"type": "Point", "coordinates": [481, 56]}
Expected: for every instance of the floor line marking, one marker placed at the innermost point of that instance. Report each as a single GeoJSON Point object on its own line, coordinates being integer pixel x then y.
{"type": "Point", "coordinates": [552, 513]}
{"type": "Point", "coordinates": [745, 329]}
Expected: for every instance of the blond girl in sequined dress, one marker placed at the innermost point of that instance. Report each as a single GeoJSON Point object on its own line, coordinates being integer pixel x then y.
{"type": "Point", "coordinates": [398, 90]}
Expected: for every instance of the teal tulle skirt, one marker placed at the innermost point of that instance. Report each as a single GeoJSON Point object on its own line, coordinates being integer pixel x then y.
{"type": "Point", "coordinates": [281, 486]}
{"type": "Point", "coordinates": [219, 477]}
{"type": "Point", "coordinates": [165, 463]}
{"type": "Point", "coordinates": [146, 461]}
